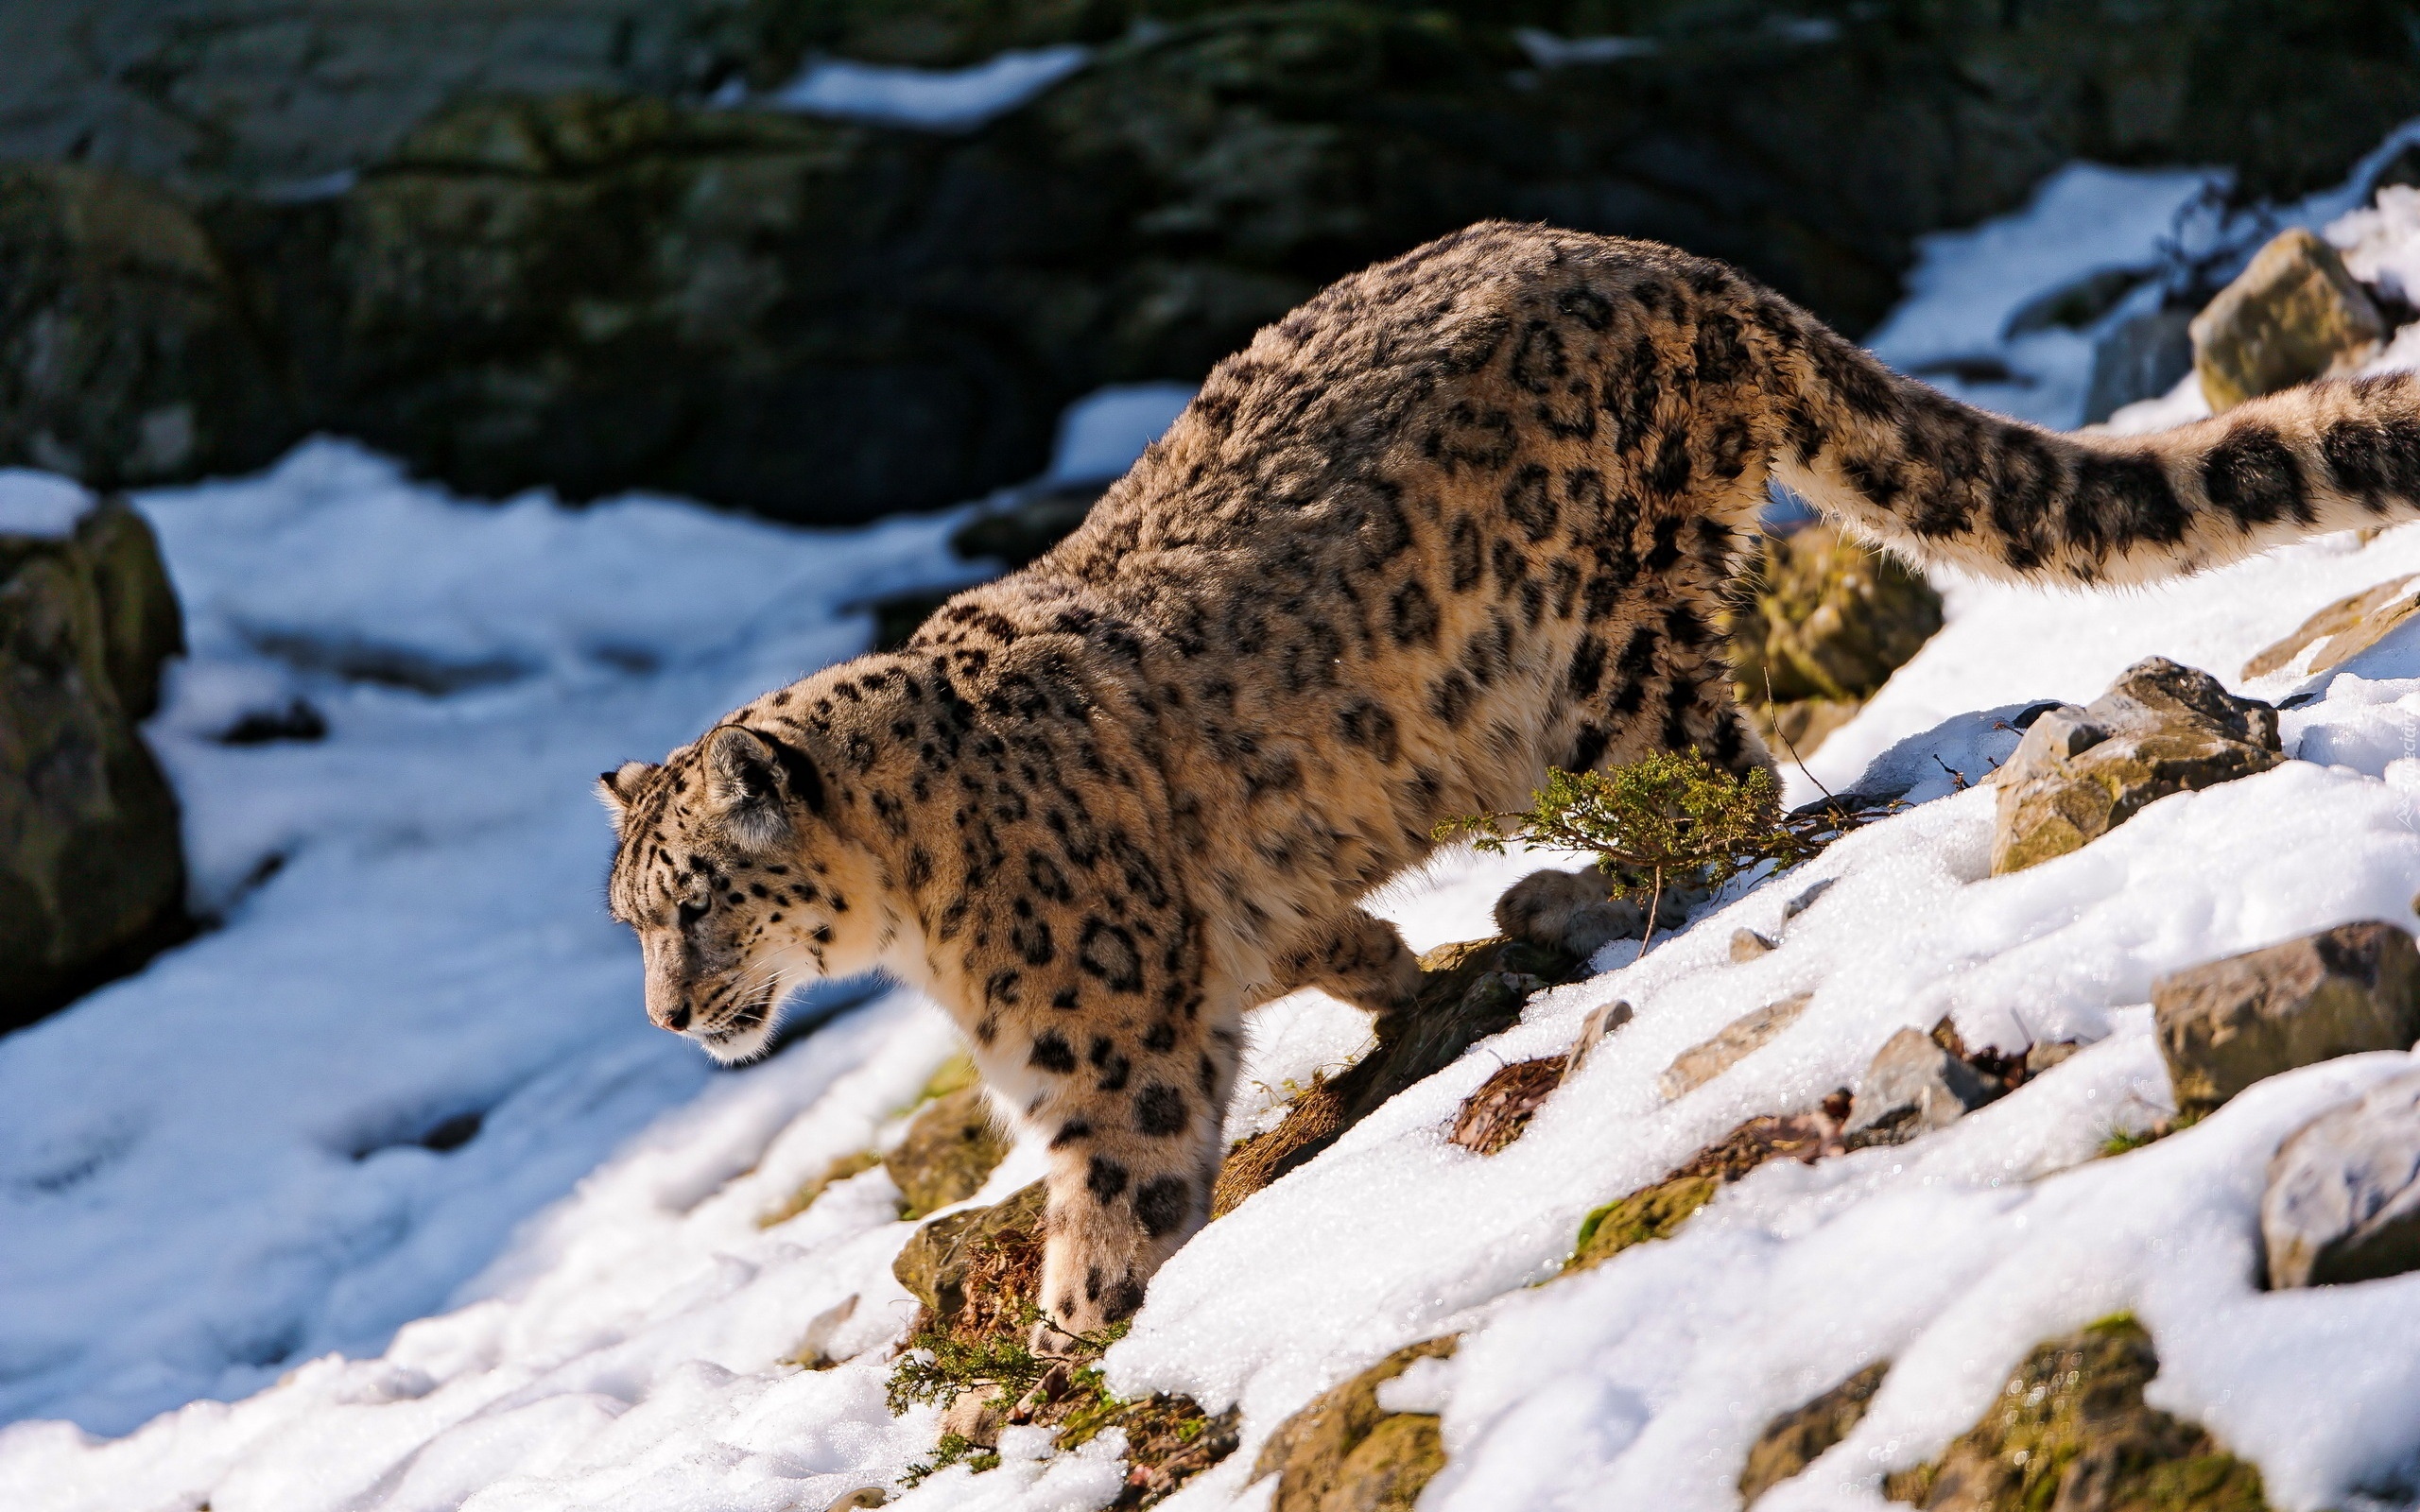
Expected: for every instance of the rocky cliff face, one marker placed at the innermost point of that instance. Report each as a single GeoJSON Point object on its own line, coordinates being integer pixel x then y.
{"type": "Point", "coordinates": [542, 259]}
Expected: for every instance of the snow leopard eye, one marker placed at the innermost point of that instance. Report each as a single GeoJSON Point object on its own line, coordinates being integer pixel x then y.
{"type": "Point", "coordinates": [691, 913]}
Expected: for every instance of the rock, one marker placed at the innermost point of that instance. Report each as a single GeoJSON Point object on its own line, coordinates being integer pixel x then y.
{"type": "Point", "coordinates": [2140, 357]}
{"type": "Point", "coordinates": [1802, 725]}
{"type": "Point", "coordinates": [2344, 1197]}
{"type": "Point", "coordinates": [864, 1496]}
{"type": "Point", "coordinates": [1807, 900]}
{"type": "Point", "coordinates": [221, 97]}
{"type": "Point", "coordinates": [2072, 1432]}
{"type": "Point", "coordinates": [1746, 945]}
{"type": "Point", "coordinates": [92, 875]}
{"type": "Point", "coordinates": [2226, 1024]}
{"type": "Point", "coordinates": [1602, 1022]}
{"type": "Point", "coordinates": [950, 1148]}
{"type": "Point", "coordinates": [1797, 1438]}
{"type": "Point", "coordinates": [1911, 1074]}
{"type": "Point", "coordinates": [1470, 991]}
{"type": "Point", "coordinates": [1170, 1439]}
{"type": "Point", "coordinates": [1343, 1452]}
{"type": "Point", "coordinates": [1656, 1211]}
{"type": "Point", "coordinates": [1499, 1111]}
{"type": "Point", "coordinates": [2080, 773]}
{"type": "Point", "coordinates": [856, 1162]}
{"type": "Point", "coordinates": [824, 320]}
{"type": "Point", "coordinates": [1650, 1213]}
{"type": "Point", "coordinates": [1699, 1064]}
{"type": "Point", "coordinates": [127, 353]}
{"type": "Point", "coordinates": [2343, 629]}
{"type": "Point", "coordinates": [2293, 315]}
{"type": "Point", "coordinates": [1831, 619]}
{"type": "Point", "coordinates": [977, 1269]}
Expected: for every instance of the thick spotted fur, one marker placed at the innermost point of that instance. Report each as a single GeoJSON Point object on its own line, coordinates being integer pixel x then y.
{"type": "Point", "coordinates": [1465, 515]}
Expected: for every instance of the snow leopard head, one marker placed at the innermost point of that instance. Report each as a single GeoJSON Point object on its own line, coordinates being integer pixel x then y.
{"type": "Point", "coordinates": [739, 887]}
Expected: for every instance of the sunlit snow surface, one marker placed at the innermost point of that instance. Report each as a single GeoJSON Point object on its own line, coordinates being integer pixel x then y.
{"type": "Point", "coordinates": [183, 1195]}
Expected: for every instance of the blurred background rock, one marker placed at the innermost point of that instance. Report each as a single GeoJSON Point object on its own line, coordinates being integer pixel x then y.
{"type": "Point", "coordinates": [582, 244]}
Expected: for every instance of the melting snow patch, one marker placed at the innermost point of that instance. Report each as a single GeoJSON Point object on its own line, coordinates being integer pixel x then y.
{"type": "Point", "coordinates": [43, 505]}
{"type": "Point", "coordinates": [935, 99]}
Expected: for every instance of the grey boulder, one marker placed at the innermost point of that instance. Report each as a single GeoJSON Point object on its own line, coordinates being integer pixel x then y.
{"type": "Point", "coordinates": [2343, 1196]}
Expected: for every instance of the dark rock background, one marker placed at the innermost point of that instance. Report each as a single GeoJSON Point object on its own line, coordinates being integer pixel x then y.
{"type": "Point", "coordinates": [511, 243]}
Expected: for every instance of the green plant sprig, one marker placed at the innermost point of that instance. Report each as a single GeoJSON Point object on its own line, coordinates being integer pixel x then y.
{"type": "Point", "coordinates": [1668, 818]}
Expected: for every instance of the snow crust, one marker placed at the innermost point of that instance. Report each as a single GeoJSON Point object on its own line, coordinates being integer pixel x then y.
{"type": "Point", "coordinates": [42, 505]}
{"type": "Point", "coordinates": [593, 1316]}
{"type": "Point", "coordinates": [935, 99]}
{"type": "Point", "coordinates": [1102, 433]}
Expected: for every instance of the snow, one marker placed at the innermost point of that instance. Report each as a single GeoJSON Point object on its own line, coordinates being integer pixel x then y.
{"type": "Point", "coordinates": [581, 1306]}
{"type": "Point", "coordinates": [42, 505]}
{"type": "Point", "coordinates": [1102, 433]}
{"type": "Point", "coordinates": [1968, 286]}
{"type": "Point", "coordinates": [934, 99]}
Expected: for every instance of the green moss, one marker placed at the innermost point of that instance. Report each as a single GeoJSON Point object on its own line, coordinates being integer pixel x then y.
{"type": "Point", "coordinates": [1655, 1212]}
{"type": "Point", "coordinates": [2071, 1426]}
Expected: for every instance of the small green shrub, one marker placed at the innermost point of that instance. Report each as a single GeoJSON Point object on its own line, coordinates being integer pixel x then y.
{"type": "Point", "coordinates": [954, 1449]}
{"type": "Point", "coordinates": [1666, 820]}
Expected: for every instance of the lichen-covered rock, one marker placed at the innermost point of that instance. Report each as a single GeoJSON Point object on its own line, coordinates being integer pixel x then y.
{"type": "Point", "coordinates": [92, 869]}
{"type": "Point", "coordinates": [2227, 1023]}
{"type": "Point", "coordinates": [2080, 773]}
{"type": "Point", "coordinates": [2343, 629]}
{"type": "Point", "coordinates": [1701, 1063]}
{"type": "Point", "coordinates": [1913, 1075]}
{"type": "Point", "coordinates": [2343, 1202]}
{"type": "Point", "coordinates": [2291, 316]}
{"type": "Point", "coordinates": [1470, 991]}
{"type": "Point", "coordinates": [1344, 1452]}
{"type": "Point", "coordinates": [2071, 1431]}
{"type": "Point", "coordinates": [951, 1147]}
{"type": "Point", "coordinates": [976, 1269]}
{"type": "Point", "coordinates": [1796, 1439]}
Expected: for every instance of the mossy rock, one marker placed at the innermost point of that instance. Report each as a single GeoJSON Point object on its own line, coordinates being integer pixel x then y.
{"type": "Point", "coordinates": [92, 864]}
{"type": "Point", "coordinates": [951, 1147]}
{"type": "Point", "coordinates": [2071, 1431]}
{"type": "Point", "coordinates": [856, 1162]}
{"type": "Point", "coordinates": [1652, 1212]}
{"type": "Point", "coordinates": [1343, 1452]}
{"type": "Point", "coordinates": [1798, 1438]}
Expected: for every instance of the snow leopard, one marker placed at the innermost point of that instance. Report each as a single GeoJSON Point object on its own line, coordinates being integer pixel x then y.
{"type": "Point", "coordinates": [1464, 516]}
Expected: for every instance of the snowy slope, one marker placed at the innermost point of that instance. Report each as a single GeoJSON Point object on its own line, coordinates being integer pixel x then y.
{"type": "Point", "coordinates": [186, 1218]}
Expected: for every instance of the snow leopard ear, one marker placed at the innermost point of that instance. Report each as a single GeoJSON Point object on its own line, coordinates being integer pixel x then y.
{"type": "Point", "coordinates": [749, 775]}
{"type": "Point", "coordinates": [621, 788]}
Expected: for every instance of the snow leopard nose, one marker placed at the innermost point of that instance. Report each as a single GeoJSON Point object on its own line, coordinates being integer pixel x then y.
{"type": "Point", "coordinates": [676, 1018]}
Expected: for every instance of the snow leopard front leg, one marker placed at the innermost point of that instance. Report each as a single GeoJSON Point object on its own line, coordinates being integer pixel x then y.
{"type": "Point", "coordinates": [1120, 1053]}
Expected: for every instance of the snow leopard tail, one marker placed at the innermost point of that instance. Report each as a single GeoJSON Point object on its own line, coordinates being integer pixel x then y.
{"type": "Point", "coordinates": [1942, 482]}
